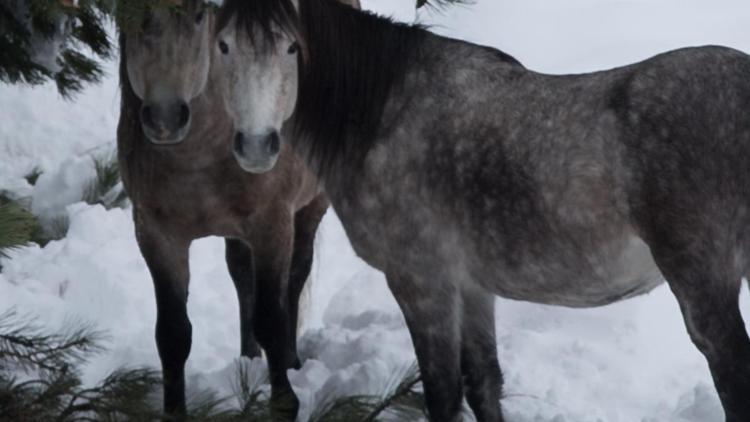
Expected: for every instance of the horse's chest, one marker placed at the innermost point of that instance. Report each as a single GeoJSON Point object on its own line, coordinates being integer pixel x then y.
{"type": "Point", "coordinates": [198, 207]}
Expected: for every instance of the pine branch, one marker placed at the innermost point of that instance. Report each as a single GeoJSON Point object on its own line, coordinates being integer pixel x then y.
{"type": "Point", "coordinates": [77, 70]}
{"type": "Point", "coordinates": [16, 64]}
{"type": "Point", "coordinates": [32, 31]}
{"type": "Point", "coordinates": [124, 394]}
{"type": "Point", "coordinates": [17, 225]}
{"type": "Point", "coordinates": [400, 399]}
{"type": "Point", "coordinates": [27, 347]}
{"type": "Point", "coordinates": [344, 409]}
{"type": "Point", "coordinates": [106, 189]}
{"type": "Point", "coordinates": [55, 391]}
{"type": "Point", "coordinates": [247, 388]}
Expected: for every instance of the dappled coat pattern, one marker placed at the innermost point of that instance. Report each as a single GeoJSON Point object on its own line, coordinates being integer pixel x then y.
{"type": "Point", "coordinates": [463, 175]}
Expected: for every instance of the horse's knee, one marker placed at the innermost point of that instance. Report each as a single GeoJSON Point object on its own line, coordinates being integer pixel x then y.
{"type": "Point", "coordinates": [173, 339]}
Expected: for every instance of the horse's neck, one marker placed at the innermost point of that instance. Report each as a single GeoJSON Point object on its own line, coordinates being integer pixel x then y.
{"type": "Point", "coordinates": [441, 68]}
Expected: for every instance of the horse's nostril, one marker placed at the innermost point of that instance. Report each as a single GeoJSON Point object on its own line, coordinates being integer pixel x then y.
{"type": "Point", "coordinates": [274, 143]}
{"type": "Point", "coordinates": [184, 114]}
{"type": "Point", "coordinates": [238, 142]}
{"type": "Point", "coordinates": [146, 116]}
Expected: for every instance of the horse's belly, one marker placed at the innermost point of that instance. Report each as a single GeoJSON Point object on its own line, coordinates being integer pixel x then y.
{"type": "Point", "coordinates": [591, 278]}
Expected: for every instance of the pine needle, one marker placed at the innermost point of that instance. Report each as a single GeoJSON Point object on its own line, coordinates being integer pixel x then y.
{"type": "Point", "coordinates": [17, 225]}
{"type": "Point", "coordinates": [105, 189]}
{"type": "Point", "coordinates": [400, 399]}
{"type": "Point", "coordinates": [247, 387]}
{"type": "Point", "coordinates": [25, 346]}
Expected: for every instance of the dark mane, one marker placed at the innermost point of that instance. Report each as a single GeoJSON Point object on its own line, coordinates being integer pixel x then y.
{"type": "Point", "coordinates": [265, 16]}
{"type": "Point", "coordinates": [130, 104]}
{"type": "Point", "coordinates": [129, 132]}
{"type": "Point", "coordinates": [353, 60]}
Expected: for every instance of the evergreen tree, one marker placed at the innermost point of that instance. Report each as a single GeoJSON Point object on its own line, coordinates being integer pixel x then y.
{"type": "Point", "coordinates": [51, 39]}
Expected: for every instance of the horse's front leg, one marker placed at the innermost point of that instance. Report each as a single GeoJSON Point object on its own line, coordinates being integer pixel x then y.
{"type": "Point", "coordinates": [239, 259]}
{"type": "Point", "coordinates": [432, 313]}
{"type": "Point", "coordinates": [483, 379]}
{"type": "Point", "coordinates": [306, 223]}
{"type": "Point", "coordinates": [167, 258]}
{"type": "Point", "coordinates": [272, 253]}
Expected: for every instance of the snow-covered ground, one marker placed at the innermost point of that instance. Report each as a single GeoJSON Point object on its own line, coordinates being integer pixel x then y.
{"type": "Point", "coordinates": [627, 362]}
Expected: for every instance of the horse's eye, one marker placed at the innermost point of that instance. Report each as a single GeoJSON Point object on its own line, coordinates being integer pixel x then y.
{"type": "Point", "coordinates": [293, 48]}
{"type": "Point", "coordinates": [199, 16]}
{"type": "Point", "coordinates": [223, 47]}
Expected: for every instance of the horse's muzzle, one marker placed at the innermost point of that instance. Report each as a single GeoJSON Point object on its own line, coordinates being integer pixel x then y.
{"type": "Point", "coordinates": [257, 153]}
{"type": "Point", "coordinates": [166, 123]}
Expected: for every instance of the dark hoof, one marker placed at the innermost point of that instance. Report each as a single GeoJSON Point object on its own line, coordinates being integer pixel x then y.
{"type": "Point", "coordinates": [284, 406]}
{"type": "Point", "coordinates": [179, 416]}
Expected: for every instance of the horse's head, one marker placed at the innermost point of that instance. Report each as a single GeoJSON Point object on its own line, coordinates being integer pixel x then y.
{"type": "Point", "coordinates": [258, 50]}
{"type": "Point", "coordinates": [168, 62]}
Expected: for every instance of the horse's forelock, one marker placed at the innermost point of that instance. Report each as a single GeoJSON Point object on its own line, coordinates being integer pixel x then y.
{"type": "Point", "coordinates": [268, 16]}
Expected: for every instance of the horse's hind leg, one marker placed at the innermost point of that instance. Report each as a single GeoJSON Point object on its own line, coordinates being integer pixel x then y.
{"type": "Point", "coordinates": [708, 294]}
{"type": "Point", "coordinates": [167, 260]}
{"type": "Point", "coordinates": [432, 314]}
{"type": "Point", "coordinates": [239, 259]}
{"type": "Point", "coordinates": [483, 379]}
{"type": "Point", "coordinates": [306, 223]}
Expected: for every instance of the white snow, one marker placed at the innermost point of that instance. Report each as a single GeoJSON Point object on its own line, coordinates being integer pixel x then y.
{"type": "Point", "coordinates": [56, 189]}
{"type": "Point", "coordinates": [631, 361]}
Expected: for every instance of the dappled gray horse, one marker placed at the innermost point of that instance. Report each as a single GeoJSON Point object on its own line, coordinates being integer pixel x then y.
{"type": "Point", "coordinates": [179, 170]}
{"type": "Point", "coordinates": [462, 175]}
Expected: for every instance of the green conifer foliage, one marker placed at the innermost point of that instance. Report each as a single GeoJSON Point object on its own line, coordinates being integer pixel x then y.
{"type": "Point", "coordinates": [75, 34]}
